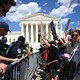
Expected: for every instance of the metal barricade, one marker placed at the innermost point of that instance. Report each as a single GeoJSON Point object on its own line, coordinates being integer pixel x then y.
{"type": "Point", "coordinates": [23, 70]}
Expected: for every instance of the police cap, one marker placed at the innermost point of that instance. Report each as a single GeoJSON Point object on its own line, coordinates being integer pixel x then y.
{"type": "Point", "coordinates": [4, 25]}
{"type": "Point", "coordinates": [21, 38]}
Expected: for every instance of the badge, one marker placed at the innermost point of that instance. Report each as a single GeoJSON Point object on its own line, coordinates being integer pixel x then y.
{"type": "Point", "coordinates": [19, 50]}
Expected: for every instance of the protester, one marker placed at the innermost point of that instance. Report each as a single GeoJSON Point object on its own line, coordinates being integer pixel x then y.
{"type": "Point", "coordinates": [76, 57]}
{"type": "Point", "coordinates": [52, 61]}
{"type": "Point", "coordinates": [67, 70]}
{"type": "Point", "coordinates": [74, 38]}
{"type": "Point", "coordinates": [45, 52]}
{"type": "Point", "coordinates": [28, 52]}
{"type": "Point", "coordinates": [29, 47]}
{"type": "Point", "coordinates": [69, 66]}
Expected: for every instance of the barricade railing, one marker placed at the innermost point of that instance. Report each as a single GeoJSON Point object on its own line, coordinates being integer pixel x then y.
{"type": "Point", "coordinates": [23, 70]}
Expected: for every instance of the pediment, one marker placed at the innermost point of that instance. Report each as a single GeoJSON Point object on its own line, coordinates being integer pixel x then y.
{"type": "Point", "coordinates": [38, 17]}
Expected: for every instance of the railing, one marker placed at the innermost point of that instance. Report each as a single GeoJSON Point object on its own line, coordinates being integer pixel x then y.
{"type": "Point", "coordinates": [23, 70]}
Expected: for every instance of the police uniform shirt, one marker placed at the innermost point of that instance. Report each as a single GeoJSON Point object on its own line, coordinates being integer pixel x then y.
{"type": "Point", "coordinates": [15, 51]}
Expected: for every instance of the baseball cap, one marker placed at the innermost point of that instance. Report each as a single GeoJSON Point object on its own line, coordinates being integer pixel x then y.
{"type": "Point", "coordinates": [5, 26]}
{"type": "Point", "coordinates": [21, 38]}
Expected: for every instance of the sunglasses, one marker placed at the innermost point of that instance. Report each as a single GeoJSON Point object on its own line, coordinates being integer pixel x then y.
{"type": "Point", "coordinates": [75, 35]}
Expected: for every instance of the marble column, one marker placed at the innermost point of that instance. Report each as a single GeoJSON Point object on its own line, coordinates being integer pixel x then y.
{"type": "Point", "coordinates": [22, 29]}
{"type": "Point", "coordinates": [32, 33]}
{"type": "Point", "coordinates": [36, 32]}
{"type": "Point", "coordinates": [27, 33]}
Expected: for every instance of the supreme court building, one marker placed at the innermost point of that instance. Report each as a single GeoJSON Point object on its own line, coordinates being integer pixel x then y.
{"type": "Point", "coordinates": [35, 25]}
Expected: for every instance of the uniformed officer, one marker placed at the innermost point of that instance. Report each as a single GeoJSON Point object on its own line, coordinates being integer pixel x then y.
{"type": "Point", "coordinates": [4, 28]}
{"type": "Point", "coordinates": [16, 49]}
{"type": "Point", "coordinates": [5, 5]}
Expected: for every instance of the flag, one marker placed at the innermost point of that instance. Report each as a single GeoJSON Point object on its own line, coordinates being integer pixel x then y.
{"type": "Point", "coordinates": [42, 29]}
{"type": "Point", "coordinates": [59, 24]}
{"type": "Point", "coordinates": [42, 32]}
{"type": "Point", "coordinates": [52, 26]}
{"type": "Point", "coordinates": [68, 22]}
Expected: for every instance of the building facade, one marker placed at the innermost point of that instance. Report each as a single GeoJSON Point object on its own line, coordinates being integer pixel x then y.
{"type": "Point", "coordinates": [12, 37]}
{"type": "Point", "coordinates": [32, 27]}
{"type": "Point", "coordinates": [35, 25]}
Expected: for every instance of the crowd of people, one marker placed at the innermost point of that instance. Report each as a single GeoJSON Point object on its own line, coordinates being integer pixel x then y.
{"type": "Point", "coordinates": [61, 57]}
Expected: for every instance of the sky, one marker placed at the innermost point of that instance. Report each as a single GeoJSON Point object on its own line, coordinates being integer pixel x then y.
{"type": "Point", "coordinates": [61, 9]}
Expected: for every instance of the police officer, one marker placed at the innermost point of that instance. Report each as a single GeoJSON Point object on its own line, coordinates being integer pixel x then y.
{"type": "Point", "coordinates": [4, 28]}
{"type": "Point", "coordinates": [16, 49]}
{"type": "Point", "coordinates": [5, 5]}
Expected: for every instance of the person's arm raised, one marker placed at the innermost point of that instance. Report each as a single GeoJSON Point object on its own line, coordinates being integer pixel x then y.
{"type": "Point", "coordinates": [45, 41]}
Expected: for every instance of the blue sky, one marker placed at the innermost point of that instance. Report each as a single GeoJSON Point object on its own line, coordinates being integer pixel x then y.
{"type": "Point", "coordinates": [58, 8]}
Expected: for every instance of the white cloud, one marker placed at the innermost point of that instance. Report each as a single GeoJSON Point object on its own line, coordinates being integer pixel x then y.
{"type": "Point", "coordinates": [78, 22]}
{"type": "Point", "coordinates": [63, 2]}
{"type": "Point", "coordinates": [18, 1]}
{"type": "Point", "coordinates": [22, 10]}
{"type": "Point", "coordinates": [44, 10]}
{"type": "Point", "coordinates": [44, 4]}
{"type": "Point", "coordinates": [63, 10]}
{"type": "Point", "coordinates": [72, 22]}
